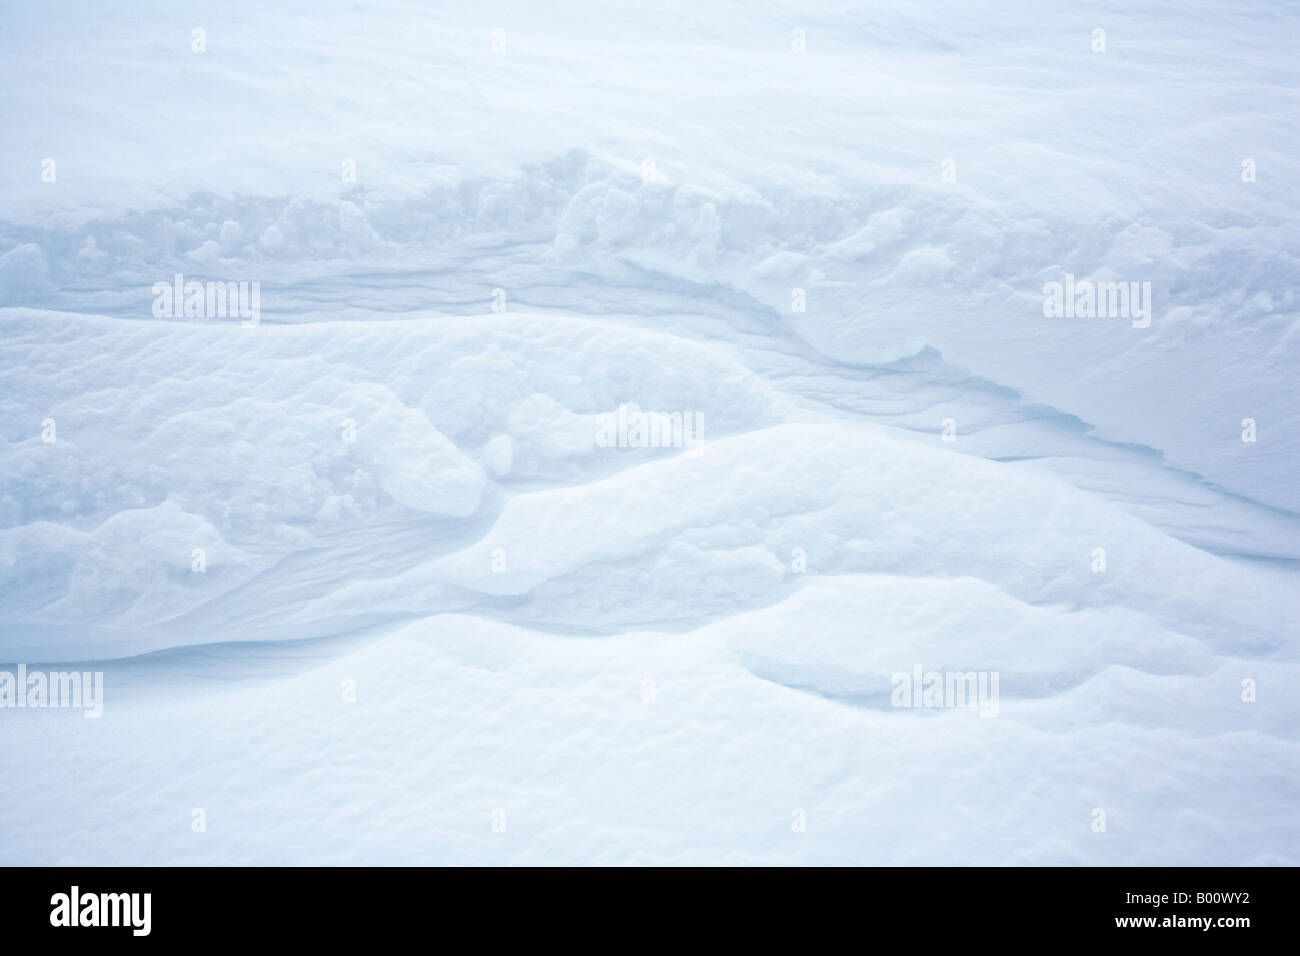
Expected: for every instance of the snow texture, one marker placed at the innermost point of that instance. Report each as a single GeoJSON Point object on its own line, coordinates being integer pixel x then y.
{"type": "Point", "coordinates": [370, 582]}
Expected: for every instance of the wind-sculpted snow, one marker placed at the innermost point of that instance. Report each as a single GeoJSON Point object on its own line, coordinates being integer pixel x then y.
{"type": "Point", "coordinates": [680, 748]}
{"type": "Point", "coordinates": [373, 564]}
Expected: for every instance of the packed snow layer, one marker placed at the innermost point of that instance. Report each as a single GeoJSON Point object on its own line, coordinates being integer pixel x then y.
{"type": "Point", "coordinates": [440, 620]}
{"type": "Point", "coordinates": [673, 748]}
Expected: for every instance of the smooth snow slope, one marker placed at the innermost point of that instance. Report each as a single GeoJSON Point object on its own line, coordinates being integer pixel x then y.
{"type": "Point", "coordinates": [475, 635]}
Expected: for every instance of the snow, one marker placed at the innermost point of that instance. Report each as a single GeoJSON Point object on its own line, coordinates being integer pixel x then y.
{"type": "Point", "coordinates": [438, 621]}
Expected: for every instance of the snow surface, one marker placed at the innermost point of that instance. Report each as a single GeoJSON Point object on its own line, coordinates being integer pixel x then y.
{"type": "Point", "coordinates": [474, 613]}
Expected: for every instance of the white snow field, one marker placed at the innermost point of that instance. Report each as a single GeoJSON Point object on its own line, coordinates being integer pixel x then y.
{"type": "Point", "coordinates": [367, 580]}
